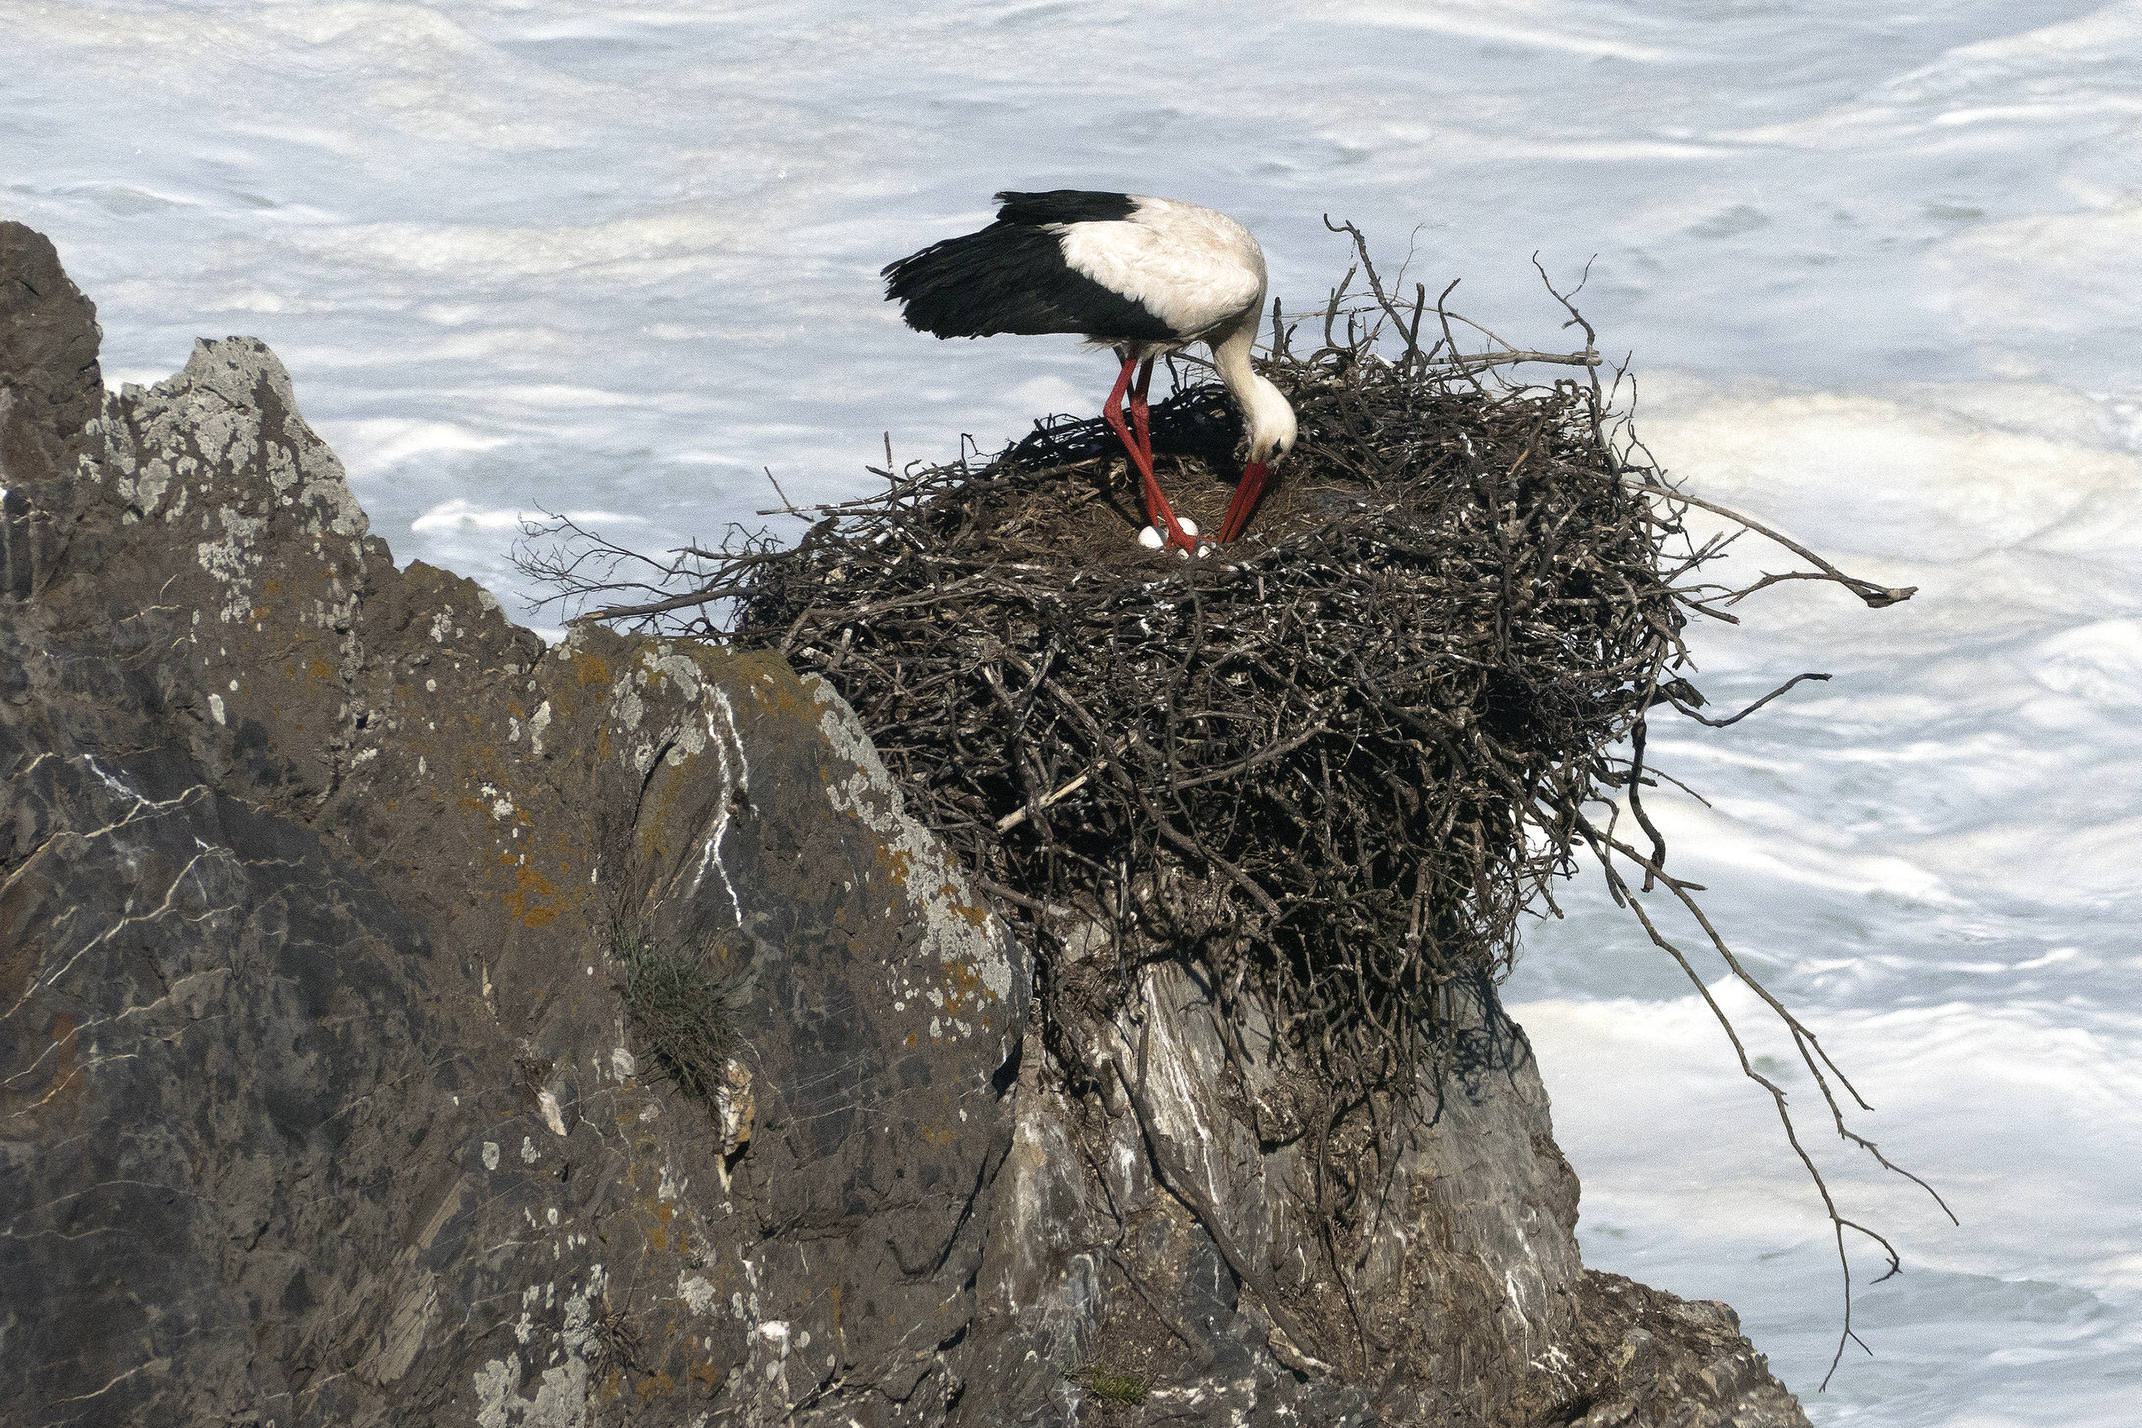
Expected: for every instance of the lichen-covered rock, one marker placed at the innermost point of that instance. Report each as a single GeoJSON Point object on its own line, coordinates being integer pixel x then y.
{"type": "Point", "coordinates": [318, 1104]}
{"type": "Point", "coordinates": [316, 1101]}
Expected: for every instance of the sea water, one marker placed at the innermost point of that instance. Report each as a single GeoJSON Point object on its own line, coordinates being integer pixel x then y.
{"type": "Point", "coordinates": [1873, 263]}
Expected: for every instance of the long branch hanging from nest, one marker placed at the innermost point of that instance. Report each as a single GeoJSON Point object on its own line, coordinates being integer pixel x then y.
{"type": "Point", "coordinates": [1333, 765]}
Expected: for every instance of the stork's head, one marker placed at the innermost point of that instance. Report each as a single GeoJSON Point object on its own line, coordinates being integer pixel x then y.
{"type": "Point", "coordinates": [1269, 418]}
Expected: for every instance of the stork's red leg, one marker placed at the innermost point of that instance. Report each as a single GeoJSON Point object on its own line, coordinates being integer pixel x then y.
{"type": "Point", "coordinates": [1157, 509]}
{"type": "Point", "coordinates": [1140, 414]}
{"type": "Point", "coordinates": [1247, 493]}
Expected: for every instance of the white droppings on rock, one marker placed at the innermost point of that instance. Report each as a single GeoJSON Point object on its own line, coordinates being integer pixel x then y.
{"type": "Point", "coordinates": [490, 1155]}
{"type": "Point", "coordinates": [215, 708]}
{"type": "Point", "coordinates": [553, 1115]}
{"type": "Point", "coordinates": [736, 783]}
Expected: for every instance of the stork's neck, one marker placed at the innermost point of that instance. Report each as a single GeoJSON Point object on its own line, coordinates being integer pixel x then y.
{"type": "Point", "coordinates": [1267, 415]}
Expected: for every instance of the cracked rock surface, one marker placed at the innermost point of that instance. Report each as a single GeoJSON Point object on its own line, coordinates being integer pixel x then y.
{"type": "Point", "coordinates": [318, 1104]}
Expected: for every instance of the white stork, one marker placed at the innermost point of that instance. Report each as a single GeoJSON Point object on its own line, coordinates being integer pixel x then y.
{"type": "Point", "coordinates": [1146, 276]}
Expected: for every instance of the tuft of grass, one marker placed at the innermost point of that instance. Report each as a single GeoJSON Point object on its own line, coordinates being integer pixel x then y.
{"type": "Point", "coordinates": [679, 1005]}
{"type": "Point", "coordinates": [1112, 1386]}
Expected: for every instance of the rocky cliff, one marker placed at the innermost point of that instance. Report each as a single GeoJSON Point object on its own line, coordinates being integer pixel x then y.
{"type": "Point", "coordinates": [319, 1102]}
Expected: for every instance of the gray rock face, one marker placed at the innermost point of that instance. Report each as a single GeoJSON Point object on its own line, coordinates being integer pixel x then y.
{"type": "Point", "coordinates": [317, 1100]}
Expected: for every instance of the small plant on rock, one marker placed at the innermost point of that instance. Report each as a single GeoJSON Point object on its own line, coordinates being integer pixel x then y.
{"type": "Point", "coordinates": [1112, 1386]}
{"type": "Point", "coordinates": [679, 1004]}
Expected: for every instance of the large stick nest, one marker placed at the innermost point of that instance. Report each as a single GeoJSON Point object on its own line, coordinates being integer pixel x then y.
{"type": "Point", "coordinates": [1309, 757]}
{"type": "Point", "coordinates": [1334, 761]}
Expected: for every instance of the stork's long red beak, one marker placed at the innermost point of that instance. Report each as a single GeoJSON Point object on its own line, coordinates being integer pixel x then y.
{"type": "Point", "coordinates": [1247, 493]}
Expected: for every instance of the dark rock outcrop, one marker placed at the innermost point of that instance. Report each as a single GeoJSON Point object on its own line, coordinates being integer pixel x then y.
{"type": "Point", "coordinates": [317, 1100]}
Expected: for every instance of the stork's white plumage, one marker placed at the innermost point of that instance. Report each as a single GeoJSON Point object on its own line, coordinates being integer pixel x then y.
{"type": "Point", "coordinates": [1146, 276]}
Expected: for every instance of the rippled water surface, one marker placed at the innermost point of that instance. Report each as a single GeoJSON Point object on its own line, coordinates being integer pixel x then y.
{"type": "Point", "coordinates": [1874, 261]}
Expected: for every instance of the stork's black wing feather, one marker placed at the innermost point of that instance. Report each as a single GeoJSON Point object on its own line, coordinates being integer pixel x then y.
{"type": "Point", "coordinates": [1012, 277]}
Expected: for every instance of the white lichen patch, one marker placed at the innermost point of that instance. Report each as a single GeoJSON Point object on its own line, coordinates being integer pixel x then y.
{"type": "Point", "coordinates": [954, 934]}
{"type": "Point", "coordinates": [560, 1394]}
{"type": "Point", "coordinates": [626, 711]}
{"type": "Point", "coordinates": [697, 1294]}
{"type": "Point", "coordinates": [231, 558]}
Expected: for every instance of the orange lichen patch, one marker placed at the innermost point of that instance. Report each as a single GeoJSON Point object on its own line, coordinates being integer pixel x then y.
{"type": "Point", "coordinates": [320, 669]}
{"type": "Point", "coordinates": [260, 612]}
{"type": "Point", "coordinates": [708, 1373]}
{"type": "Point", "coordinates": [530, 901]}
{"type": "Point", "coordinates": [898, 861]}
{"type": "Point", "coordinates": [965, 987]}
{"type": "Point", "coordinates": [975, 916]}
{"type": "Point", "coordinates": [592, 669]}
{"type": "Point", "coordinates": [657, 1382]}
{"type": "Point", "coordinates": [784, 692]}
{"type": "Point", "coordinates": [938, 1135]}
